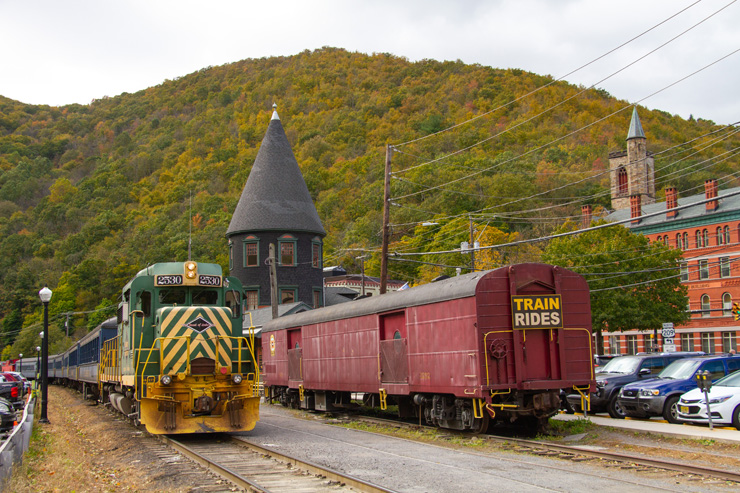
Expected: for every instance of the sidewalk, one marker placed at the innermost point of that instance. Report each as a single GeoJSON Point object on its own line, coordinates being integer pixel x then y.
{"type": "Point", "coordinates": [696, 432]}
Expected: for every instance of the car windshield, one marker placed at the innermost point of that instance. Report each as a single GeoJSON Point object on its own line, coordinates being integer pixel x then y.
{"type": "Point", "coordinates": [680, 369]}
{"type": "Point", "coordinates": [731, 380]}
{"type": "Point", "coordinates": [624, 364]}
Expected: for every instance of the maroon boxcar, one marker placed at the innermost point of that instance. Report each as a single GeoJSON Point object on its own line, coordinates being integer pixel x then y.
{"type": "Point", "coordinates": [486, 345]}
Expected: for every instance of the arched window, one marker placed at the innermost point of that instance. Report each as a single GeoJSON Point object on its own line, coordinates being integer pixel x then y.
{"type": "Point", "coordinates": [665, 240]}
{"type": "Point", "coordinates": [720, 236]}
{"type": "Point", "coordinates": [685, 241]}
{"type": "Point", "coordinates": [727, 235]}
{"type": "Point", "coordinates": [659, 239]}
{"type": "Point", "coordinates": [726, 304]}
{"type": "Point", "coordinates": [622, 187]}
{"type": "Point", "coordinates": [698, 239]}
{"type": "Point", "coordinates": [706, 238]}
{"type": "Point", "coordinates": [705, 305]}
{"type": "Point", "coordinates": [678, 240]}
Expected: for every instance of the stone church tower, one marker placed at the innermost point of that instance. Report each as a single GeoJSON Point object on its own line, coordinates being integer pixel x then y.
{"type": "Point", "coordinates": [632, 171]}
{"type": "Point", "coordinates": [275, 207]}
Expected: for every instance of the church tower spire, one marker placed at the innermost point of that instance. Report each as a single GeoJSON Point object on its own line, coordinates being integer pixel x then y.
{"type": "Point", "coordinates": [633, 170]}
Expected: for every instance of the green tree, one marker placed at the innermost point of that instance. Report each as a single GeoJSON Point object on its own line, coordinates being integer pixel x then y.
{"type": "Point", "coordinates": [635, 284]}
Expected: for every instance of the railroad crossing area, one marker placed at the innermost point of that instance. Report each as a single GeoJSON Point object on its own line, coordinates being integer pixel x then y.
{"type": "Point", "coordinates": [661, 427]}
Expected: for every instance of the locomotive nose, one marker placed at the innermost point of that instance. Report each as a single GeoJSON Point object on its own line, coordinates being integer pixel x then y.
{"type": "Point", "coordinates": [204, 404]}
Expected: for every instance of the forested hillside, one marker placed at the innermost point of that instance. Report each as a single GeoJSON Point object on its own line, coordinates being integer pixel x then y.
{"type": "Point", "coordinates": [90, 194]}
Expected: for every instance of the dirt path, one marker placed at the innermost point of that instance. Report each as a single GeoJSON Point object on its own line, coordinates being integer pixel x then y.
{"type": "Point", "coordinates": [87, 448]}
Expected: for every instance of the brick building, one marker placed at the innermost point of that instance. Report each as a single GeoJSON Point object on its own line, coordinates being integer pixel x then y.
{"type": "Point", "coordinates": [708, 233]}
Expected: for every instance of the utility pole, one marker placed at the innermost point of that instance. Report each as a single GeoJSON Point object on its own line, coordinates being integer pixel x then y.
{"type": "Point", "coordinates": [66, 324]}
{"type": "Point", "coordinates": [386, 219]}
{"type": "Point", "coordinates": [472, 245]}
{"type": "Point", "coordinates": [362, 270]}
{"type": "Point", "coordinates": [273, 281]}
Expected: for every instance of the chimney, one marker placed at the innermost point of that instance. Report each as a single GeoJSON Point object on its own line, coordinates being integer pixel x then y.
{"type": "Point", "coordinates": [710, 191]}
{"type": "Point", "coordinates": [636, 208]}
{"type": "Point", "coordinates": [586, 211]}
{"type": "Point", "coordinates": [671, 202]}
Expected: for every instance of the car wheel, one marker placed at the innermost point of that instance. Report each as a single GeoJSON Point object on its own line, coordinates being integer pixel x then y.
{"type": "Point", "coordinates": [670, 410]}
{"type": "Point", "coordinates": [614, 409]}
{"type": "Point", "coordinates": [736, 418]}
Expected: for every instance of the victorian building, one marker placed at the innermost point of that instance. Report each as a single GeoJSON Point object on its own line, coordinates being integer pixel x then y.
{"type": "Point", "coordinates": [708, 233]}
{"type": "Point", "coordinates": [276, 208]}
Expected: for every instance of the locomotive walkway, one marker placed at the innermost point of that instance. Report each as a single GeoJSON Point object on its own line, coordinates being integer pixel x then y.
{"type": "Point", "coordinates": [662, 427]}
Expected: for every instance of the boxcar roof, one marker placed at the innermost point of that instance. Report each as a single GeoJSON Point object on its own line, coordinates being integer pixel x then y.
{"type": "Point", "coordinates": [449, 289]}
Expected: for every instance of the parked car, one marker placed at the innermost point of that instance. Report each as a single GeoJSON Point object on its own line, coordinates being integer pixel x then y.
{"type": "Point", "coordinates": [18, 376]}
{"type": "Point", "coordinates": [659, 397]}
{"type": "Point", "coordinates": [724, 403]}
{"type": "Point", "coordinates": [602, 359]}
{"type": "Point", "coordinates": [621, 371]}
{"type": "Point", "coordinates": [11, 391]}
{"type": "Point", "coordinates": [7, 415]}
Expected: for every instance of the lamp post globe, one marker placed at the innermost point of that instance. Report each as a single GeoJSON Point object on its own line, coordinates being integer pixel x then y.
{"type": "Point", "coordinates": [45, 295]}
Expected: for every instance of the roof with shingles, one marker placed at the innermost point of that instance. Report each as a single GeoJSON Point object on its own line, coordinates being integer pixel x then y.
{"type": "Point", "coordinates": [275, 197]}
{"type": "Point", "coordinates": [694, 214]}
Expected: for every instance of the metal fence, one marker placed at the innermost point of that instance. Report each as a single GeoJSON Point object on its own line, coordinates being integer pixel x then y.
{"type": "Point", "coordinates": [13, 448]}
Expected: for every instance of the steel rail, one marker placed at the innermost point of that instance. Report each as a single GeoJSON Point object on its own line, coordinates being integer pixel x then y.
{"type": "Point", "coordinates": [640, 460]}
{"type": "Point", "coordinates": [251, 486]}
{"type": "Point", "coordinates": [222, 471]}
{"type": "Point", "coordinates": [577, 450]}
{"type": "Point", "coordinates": [352, 481]}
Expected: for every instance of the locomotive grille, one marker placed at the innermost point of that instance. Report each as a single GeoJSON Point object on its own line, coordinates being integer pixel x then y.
{"type": "Point", "coordinates": [175, 328]}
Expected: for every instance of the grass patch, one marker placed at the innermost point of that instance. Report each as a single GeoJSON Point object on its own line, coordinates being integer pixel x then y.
{"type": "Point", "coordinates": [572, 427]}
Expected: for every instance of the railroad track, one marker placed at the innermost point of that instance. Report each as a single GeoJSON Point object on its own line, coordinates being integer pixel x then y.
{"type": "Point", "coordinates": [256, 468]}
{"type": "Point", "coordinates": [576, 453]}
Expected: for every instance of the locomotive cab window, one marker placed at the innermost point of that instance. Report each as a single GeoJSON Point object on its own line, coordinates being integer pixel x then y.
{"type": "Point", "coordinates": [174, 296]}
{"type": "Point", "coordinates": [205, 296]}
{"type": "Point", "coordinates": [145, 302]}
{"type": "Point", "coordinates": [233, 302]}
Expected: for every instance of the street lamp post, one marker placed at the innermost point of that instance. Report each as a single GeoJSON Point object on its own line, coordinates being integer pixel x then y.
{"type": "Point", "coordinates": [20, 364]}
{"type": "Point", "coordinates": [45, 295]}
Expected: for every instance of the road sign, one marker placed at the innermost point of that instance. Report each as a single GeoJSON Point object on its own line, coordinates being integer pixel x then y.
{"type": "Point", "coordinates": [669, 348]}
{"type": "Point", "coordinates": [668, 330]}
{"type": "Point", "coordinates": [667, 341]}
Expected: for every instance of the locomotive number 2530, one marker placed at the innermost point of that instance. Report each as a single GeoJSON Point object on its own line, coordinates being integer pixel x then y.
{"type": "Point", "coordinates": [209, 280]}
{"type": "Point", "coordinates": [168, 280]}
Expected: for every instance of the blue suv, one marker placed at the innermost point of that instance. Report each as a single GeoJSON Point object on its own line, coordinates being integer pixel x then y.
{"type": "Point", "coordinates": [659, 396]}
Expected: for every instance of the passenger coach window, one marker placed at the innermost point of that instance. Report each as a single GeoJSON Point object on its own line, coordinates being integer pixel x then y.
{"type": "Point", "coordinates": [172, 296]}
{"type": "Point", "coordinates": [205, 297]}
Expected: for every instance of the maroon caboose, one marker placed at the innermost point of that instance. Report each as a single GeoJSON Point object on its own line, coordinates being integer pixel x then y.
{"type": "Point", "coordinates": [459, 352]}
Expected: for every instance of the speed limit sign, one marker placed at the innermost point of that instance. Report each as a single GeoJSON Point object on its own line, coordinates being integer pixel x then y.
{"type": "Point", "coordinates": [668, 331]}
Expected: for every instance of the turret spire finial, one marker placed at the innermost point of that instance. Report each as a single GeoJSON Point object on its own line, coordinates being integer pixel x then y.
{"type": "Point", "coordinates": [274, 112]}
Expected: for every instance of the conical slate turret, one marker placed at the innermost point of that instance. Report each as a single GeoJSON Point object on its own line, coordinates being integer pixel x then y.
{"type": "Point", "coordinates": [275, 196]}
{"type": "Point", "coordinates": [275, 208]}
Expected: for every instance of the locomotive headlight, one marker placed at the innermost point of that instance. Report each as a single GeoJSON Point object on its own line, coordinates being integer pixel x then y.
{"type": "Point", "coordinates": [236, 378]}
{"type": "Point", "coordinates": [165, 380]}
{"type": "Point", "coordinates": [190, 270]}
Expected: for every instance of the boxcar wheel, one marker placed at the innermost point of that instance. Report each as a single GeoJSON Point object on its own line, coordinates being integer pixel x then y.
{"type": "Point", "coordinates": [670, 410]}
{"type": "Point", "coordinates": [482, 424]}
{"type": "Point", "coordinates": [614, 409]}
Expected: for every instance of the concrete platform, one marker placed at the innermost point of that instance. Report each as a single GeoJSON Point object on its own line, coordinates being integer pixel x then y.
{"type": "Point", "coordinates": [660, 427]}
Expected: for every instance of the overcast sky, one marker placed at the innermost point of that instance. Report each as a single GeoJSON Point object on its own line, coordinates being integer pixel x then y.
{"type": "Point", "coordinates": [60, 52]}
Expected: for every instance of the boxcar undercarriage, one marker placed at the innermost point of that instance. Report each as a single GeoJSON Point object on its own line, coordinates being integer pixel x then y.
{"type": "Point", "coordinates": [440, 410]}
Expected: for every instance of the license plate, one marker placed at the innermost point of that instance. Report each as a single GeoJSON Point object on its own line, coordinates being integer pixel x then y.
{"type": "Point", "coordinates": [683, 409]}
